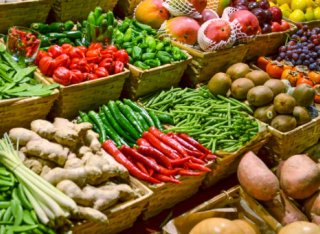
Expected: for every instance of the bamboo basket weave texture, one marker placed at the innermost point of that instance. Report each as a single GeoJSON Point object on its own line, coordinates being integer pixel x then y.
{"type": "Point", "coordinates": [126, 7]}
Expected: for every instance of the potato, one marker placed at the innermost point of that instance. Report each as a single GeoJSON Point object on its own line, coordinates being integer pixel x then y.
{"type": "Point", "coordinates": [284, 210]}
{"type": "Point", "coordinates": [312, 208]}
{"type": "Point", "coordinates": [300, 177]}
{"type": "Point", "coordinates": [256, 178]}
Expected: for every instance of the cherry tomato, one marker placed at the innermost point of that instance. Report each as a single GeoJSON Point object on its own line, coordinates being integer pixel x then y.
{"type": "Point", "coordinates": [275, 70]}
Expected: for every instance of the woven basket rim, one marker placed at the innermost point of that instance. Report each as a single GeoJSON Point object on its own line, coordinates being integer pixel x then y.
{"type": "Point", "coordinates": [306, 22]}
{"type": "Point", "coordinates": [22, 2]}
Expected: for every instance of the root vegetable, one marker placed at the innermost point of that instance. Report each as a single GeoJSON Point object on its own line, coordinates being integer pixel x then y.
{"type": "Point", "coordinates": [43, 128]}
{"type": "Point", "coordinates": [312, 208]}
{"type": "Point", "coordinates": [73, 163]}
{"type": "Point", "coordinates": [90, 214]}
{"type": "Point", "coordinates": [256, 178]}
{"type": "Point", "coordinates": [22, 135]}
{"type": "Point", "coordinates": [47, 150]}
{"type": "Point", "coordinates": [83, 150]}
{"type": "Point", "coordinates": [91, 139]}
{"type": "Point", "coordinates": [300, 177]}
{"type": "Point", "coordinates": [33, 165]}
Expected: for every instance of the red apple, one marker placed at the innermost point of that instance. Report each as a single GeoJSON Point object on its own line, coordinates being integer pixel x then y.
{"type": "Point", "coordinates": [218, 31]}
{"type": "Point", "coordinates": [284, 25]}
{"type": "Point", "coordinates": [276, 27]}
{"type": "Point", "coordinates": [248, 21]}
{"type": "Point", "coordinates": [276, 14]}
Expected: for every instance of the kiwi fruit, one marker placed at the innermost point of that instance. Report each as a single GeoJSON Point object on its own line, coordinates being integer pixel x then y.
{"type": "Point", "coordinates": [258, 77]}
{"type": "Point", "coordinates": [284, 123]}
{"type": "Point", "coordinates": [240, 87]}
{"type": "Point", "coordinates": [238, 70]}
{"type": "Point", "coordinates": [220, 84]}
{"type": "Point", "coordinates": [277, 86]}
{"type": "Point", "coordinates": [304, 95]}
{"type": "Point", "coordinates": [284, 103]}
{"type": "Point", "coordinates": [260, 96]}
{"type": "Point", "coordinates": [301, 114]}
{"type": "Point", "coordinates": [265, 113]}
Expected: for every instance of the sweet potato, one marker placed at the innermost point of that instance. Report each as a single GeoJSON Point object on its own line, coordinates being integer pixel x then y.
{"type": "Point", "coordinates": [284, 210]}
{"type": "Point", "coordinates": [256, 178]}
{"type": "Point", "coordinates": [312, 208]}
{"type": "Point", "coordinates": [300, 177]}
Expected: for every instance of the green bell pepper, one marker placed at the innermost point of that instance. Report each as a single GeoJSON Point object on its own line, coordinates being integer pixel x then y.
{"type": "Point", "coordinates": [136, 53]}
{"type": "Point", "coordinates": [68, 25]}
{"type": "Point", "coordinates": [164, 57]}
{"type": "Point", "coordinates": [151, 42]}
{"type": "Point", "coordinates": [147, 56]}
{"type": "Point", "coordinates": [153, 62]}
{"type": "Point", "coordinates": [141, 65]}
{"type": "Point", "coordinates": [128, 35]}
{"type": "Point", "coordinates": [159, 46]}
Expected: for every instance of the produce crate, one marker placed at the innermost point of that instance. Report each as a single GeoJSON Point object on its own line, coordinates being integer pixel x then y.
{"type": "Point", "coordinates": [267, 223]}
{"type": "Point", "coordinates": [205, 64]}
{"type": "Point", "coordinates": [311, 24]}
{"type": "Point", "coordinates": [20, 112]}
{"type": "Point", "coordinates": [87, 95]}
{"type": "Point", "coordinates": [142, 82]}
{"type": "Point", "coordinates": [286, 144]}
{"type": "Point", "coordinates": [63, 10]}
{"type": "Point", "coordinates": [126, 7]}
{"type": "Point", "coordinates": [227, 163]}
{"type": "Point", "coordinates": [121, 216]}
{"type": "Point", "coordinates": [268, 44]}
{"type": "Point", "coordinates": [166, 195]}
{"type": "Point", "coordinates": [23, 13]}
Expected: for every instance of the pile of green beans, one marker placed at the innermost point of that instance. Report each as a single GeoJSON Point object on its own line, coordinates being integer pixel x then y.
{"type": "Point", "coordinates": [16, 212]}
{"type": "Point", "coordinates": [217, 122]}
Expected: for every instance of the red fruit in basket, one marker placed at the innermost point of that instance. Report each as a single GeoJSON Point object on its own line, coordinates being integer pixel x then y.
{"type": "Point", "coordinates": [276, 27]}
{"type": "Point", "coordinates": [248, 21]}
{"type": "Point", "coordinates": [276, 14]}
{"type": "Point", "coordinates": [40, 55]}
{"type": "Point", "coordinates": [66, 48]}
{"type": "Point", "coordinates": [260, 14]}
{"type": "Point", "coordinates": [207, 14]}
{"type": "Point", "coordinates": [199, 5]}
{"type": "Point", "coordinates": [183, 29]}
{"type": "Point", "coordinates": [122, 55]}
{"type": "Point", "coordinates": [218, 31]}
{"type": "Point", "coordinates": [101, 72]}
{"type": "Point", "coordinates": [76, 53]}
{"type": "Point", "coordinates": [268, 16]}
{"type": "Point", "coordinates": [76, 77]}
{"type": "Point", "coordinates": [62, 76]}
{"type": "Point", "coordinates": [47, 65]}
{"type": "Point", "coordinates": [284, 25]}
{"type": "Point", "coordinates": [55, 50]}
{"type": "Point", "coordinates": [266, 28]}
{"type": "Point", "coordinates": [62, 60]}
{"type": "Point", "coordinates": [151, 12]}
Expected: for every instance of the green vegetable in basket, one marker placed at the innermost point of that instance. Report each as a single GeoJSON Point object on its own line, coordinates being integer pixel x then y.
{"type": "Point", "coordinates": [141, 65]}
{"type": "Point", "coordinates": [153, 62]}
{"type": "Point", "coordinates": [68, 25]}
{"type": "Point", "coordinates": [40, 27]}
{"type": "Point", "coordinates": [57, 27]}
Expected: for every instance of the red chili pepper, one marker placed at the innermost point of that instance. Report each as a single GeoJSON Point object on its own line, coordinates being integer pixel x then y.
{"type": "Point", "coordinates": [76, 77]}
{"type": "Point", "coordinates": [194, 143]}
{"type": "Point", "coordinates": [40, 55]}
{"type": "Point", "coordinates": [185, 172]}
{"type": "Point", "coordinates": [155, 142]}
{"type": "Point", "coordinates": [101, 72]}
{"type": "Point", "coordinates": [47, 65]}
{"type": "Point", "coordinates": [83, 65]}
{"type": "Point", "coordinates": [199, 167]}
{"type": "Point", "coordinates": [29, 52]}
{"type": "Point", "coordinates": [75, 52]}
{"type": "Point", "coordinates": [62, 60]}
{"type": "Point", "coordinates": [141, 167]}
{"type": "Point", "coordinates": [180, 161]}
{"type": "Point", "coordinates": [211, 157]}
{"type": "Point", "coordinates": [182, 142]}
{"type": "Point", "coordinates": [148, 150]}
{"type": "Point", "coordinates": [110, 148]}
{"type": "Point", "coordinates": [165, 178]}
{"type": "Point", "coordinates": [91, 76]}
{"type": "Point", "coordinates": [66, 48]}
{"type": "Point", "coordinates": [62, 76]}
{"type": "Point", "coordinates": [94, 46]}
{"type": "Point", "coordinates": [197, 160]}
{"type": "Point", "coordinates": [118, 67]}
{"type": "Point", "coordinates": [143, 142]}
{"type": "Point", "coordinates": [112, 48]}
{"type": "Point", "coordinates": [122, 56]}
{"type": "Point", "coordinates": [83, 49]}
{"type": "Point", "coordinates": [196, 154]}
{"type": "Point", "coordinates": [55, 50]}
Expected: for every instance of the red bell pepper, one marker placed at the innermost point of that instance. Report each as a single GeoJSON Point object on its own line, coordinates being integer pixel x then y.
{"type": "Point", "coordinates": [112, 48]}
{"type": "Point", "coordinates": [93, 56]}
{"type": "Point", "coordinates": [101, 72]}
{"type": "Point", "coordinates": [93, 66]}
{"type": "Point", "coordinates": [47, 65]}
{"type": "Point", "coordinates": [107, 63]}
{"type": "Point", "coordinates": [66, 48]}
{"type": "Point", "coordinates": [122, 56]}
{"type": "Point", "coordinates": [62, 60]}
{"type": "Point", "coordinates": [83, 65]}
{"type": "Point", "coordinates": [83, 49]}
{"type": "Point", "coordinates": [76, 77]}
{"type": "Point", "coordinates": [62, 76]}
{"type": "Point", "coordinates": [55, 51]}
{"type": "Point", "coordinates": [40, 55]}
{"type": "Point", "coordinates": [76, 53]}
{"type": "Point", "coordinates": [94, 46]}
{"type": "Point", "coordinates": [118, 67]}
{"type": "Point", "coordinates": [91, 76]}
{"type": "Point", "coordinates": [107, 54]}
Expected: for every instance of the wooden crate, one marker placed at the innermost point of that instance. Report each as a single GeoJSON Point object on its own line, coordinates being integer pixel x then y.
{"type": "Point", "coordinates": [166, 195]}
{"type": "Point", "coordinates": [63, 10]}
{"type": "Point", "coordinates": [142, 82]}
{"type": "Point", "coordinates": [227, 199]}
{"type": "Point", "coordinates": [126, 7]}
{"type": "Point", "coordinates": [20, 112]}
{"type": "Point", "coordinates": [268, 44]}
{"type": "Point", "coordinates": [286, 144]}
{"type": "Point", "coordinates": [121, 216]}
{"type": "Point", "coordinates": [87, 95]}
{"type": "Point", "coordinates": [205, 64]}
{"type": "Point", "coordinates": [227, 163]}
{"type": "Point", "coordinates": [23, 13]}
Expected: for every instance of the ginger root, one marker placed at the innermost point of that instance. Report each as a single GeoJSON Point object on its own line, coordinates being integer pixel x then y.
{"type": "Point", "coordinates": [47, 150]}
{"type": "Point", "coordinates": [22, 136]}
{"type": "Point", "coordinates": [43, 128]}
{"type": "Point", "coordinates": [90, 214]}
{"type": "Point", "coordinates": [91, 140]}
{"type": "Point", "coordinates": [33, 165]}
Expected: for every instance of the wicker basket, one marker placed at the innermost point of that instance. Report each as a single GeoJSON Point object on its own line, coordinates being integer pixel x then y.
{"type": "Point", "coordinates": [20, 112]}
{"type": "Point", "coordinates": [166, 195]}
{"type": "Point", "coordinates": [227, 163]}
{"type": "Point", "coordinates": [86, 96]}
{"type": "Point", "coordinates": [296, 141]}
{"type": "Point", "coordinates": [205, 64]}
{"type": "Point", "coordinates": [268, 44]}
{"type": "Point", "coordinates": [142, 82]}
{"type": "Point", "coordinates": [63, 10]}
{"type": "Point", "coordinates": [121, 216]}
{"type": "Point", "coordinates": [228, 199]}
{"type": "Point", "coordinates": [126, 7]}
{"type": "Point", "coordinates": [23, 13]}
{"type": "Point", "coordinates": [311, 24]}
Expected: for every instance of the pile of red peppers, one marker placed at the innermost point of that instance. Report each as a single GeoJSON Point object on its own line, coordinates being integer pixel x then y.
{"type": "Point", "coordinates": [23, 42]}
{"type": "Point", "coordinates": [159, 157]}
{"type": "Point", "coordinates": [69, 64]}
